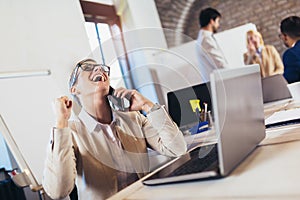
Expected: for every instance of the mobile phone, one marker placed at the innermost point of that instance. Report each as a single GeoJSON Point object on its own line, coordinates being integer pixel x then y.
{"type": "Point", "coordinates": [117, 103]}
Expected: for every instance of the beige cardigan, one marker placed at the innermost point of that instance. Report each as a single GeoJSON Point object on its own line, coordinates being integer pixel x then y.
{"type": "Point", "coordinates": [270, 64]}
{"type": "Point", "coordinates": [75, 153]}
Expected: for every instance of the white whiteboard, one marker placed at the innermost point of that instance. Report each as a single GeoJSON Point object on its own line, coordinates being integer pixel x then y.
{"type": "Point", "coordinates": [26, 108]}
{"type": "Point", "coordinates": [233, 44]}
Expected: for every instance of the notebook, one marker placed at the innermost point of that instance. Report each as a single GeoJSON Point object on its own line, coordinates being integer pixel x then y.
{"type": "Point", "coordinates": [275, 88]}
{"type": "Point", "coordinates": [239, 124]}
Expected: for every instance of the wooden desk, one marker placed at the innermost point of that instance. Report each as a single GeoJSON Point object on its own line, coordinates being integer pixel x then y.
{"type": "Point", "coordinates": [270, 172]}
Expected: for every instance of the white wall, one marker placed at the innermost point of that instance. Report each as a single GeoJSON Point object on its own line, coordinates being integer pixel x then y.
{"type": "Point", "coordinates": [143, 35]}
{"type": "Point", "coordinates": [36, 34]}
{"type": "Point", "coordinates": [42, 34]}
{"type": "Point", "coordinates": [177, 68]}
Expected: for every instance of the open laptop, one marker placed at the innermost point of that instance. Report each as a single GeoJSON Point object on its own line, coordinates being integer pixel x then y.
{"type": "Point", "coordinates": [275, 88]}
{"type": "Point", "coordinates": [179, 106]}
{"type": "Point", "coordinates": [239, 124]}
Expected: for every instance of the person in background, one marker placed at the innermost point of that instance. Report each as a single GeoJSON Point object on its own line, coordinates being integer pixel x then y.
{"type": "Point", "coordinates": [265, 55]}
{"type": "Point", "coordinates": [209, 53]}
{"type": "Point", "coordinates": [103, 149]}
{"type": "Point", "coordinates": [290, 35]}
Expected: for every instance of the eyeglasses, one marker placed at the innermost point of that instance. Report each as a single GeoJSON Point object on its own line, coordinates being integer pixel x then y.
{"type": "Point", "coordinates": [88, 67]}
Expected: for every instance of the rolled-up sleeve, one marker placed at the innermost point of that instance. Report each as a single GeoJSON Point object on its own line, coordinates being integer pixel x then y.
{"type": "Point", "coordinates": [162, 134]}
{"type": "Point", "coordinates": [60, 166]}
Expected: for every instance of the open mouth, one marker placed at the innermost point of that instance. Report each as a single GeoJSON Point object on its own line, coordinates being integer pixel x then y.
{"type": "Point", "coordinates": [99, 77]}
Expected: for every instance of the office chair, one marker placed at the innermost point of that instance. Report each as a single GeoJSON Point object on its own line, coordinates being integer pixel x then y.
{"type": "Point", "coordinates": [74, 194]}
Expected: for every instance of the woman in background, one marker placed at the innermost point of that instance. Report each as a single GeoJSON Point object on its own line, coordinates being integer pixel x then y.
{"type": "Point", "coordinates": [265, 55]}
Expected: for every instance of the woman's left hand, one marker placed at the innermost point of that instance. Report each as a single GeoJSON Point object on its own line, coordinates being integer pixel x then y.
{"type": "Point", "coordinates": [137, 101]}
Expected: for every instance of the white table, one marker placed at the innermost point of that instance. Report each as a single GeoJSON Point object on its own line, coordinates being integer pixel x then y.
{"type": "Point", "coordinates": [272, 171]}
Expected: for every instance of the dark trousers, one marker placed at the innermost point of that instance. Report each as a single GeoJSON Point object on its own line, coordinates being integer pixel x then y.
{"type": "Point", "coordinates": [9, 191]}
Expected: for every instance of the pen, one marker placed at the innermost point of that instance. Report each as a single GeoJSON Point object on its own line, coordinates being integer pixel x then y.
{"type": "Point", "coordinates": [205, 110]}
{"type": "Point", "coordinates": [205, 107]}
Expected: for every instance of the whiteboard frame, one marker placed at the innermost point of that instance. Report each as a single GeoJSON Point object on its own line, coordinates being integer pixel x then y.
{"type": "Point", "coordinates": [18, 155]}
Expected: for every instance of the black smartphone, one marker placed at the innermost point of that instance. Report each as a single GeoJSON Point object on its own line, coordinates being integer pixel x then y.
{"type": "Point", "coordinates": [117, 103]}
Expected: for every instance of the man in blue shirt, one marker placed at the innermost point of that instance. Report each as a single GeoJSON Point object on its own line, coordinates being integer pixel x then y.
{"type": "Point", "coordinates": [290, 35]}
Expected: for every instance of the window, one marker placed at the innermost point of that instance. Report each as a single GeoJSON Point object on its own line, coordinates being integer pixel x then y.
{"type": "Point", "coordinates": [105, 36]}
{"type": "Point", "coordinates": [108, 23]}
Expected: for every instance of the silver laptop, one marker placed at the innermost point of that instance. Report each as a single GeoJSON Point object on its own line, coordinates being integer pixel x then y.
{"type": "Point", "coordinates": [275, 88]}
{"type": "Point", "coordinates": [239, 124]}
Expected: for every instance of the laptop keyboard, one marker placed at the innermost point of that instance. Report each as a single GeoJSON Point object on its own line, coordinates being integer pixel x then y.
{"type": "Point", "coordinates": [286, 123]}
{"type": "Point", "coordinates": [202, 159]}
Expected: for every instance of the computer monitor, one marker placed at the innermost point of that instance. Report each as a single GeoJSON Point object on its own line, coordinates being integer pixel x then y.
{"type": "Point", "coordinates": [179, 106]}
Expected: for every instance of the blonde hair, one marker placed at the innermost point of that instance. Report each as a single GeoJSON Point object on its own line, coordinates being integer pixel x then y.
{"type": "Point", "coordinates": [253, 32]}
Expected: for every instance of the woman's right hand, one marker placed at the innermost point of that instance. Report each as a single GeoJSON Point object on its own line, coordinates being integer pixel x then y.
{"type": "Point", "coordinates": [62, 108]}
{"type": "Point", "coordinates": [251, 48]}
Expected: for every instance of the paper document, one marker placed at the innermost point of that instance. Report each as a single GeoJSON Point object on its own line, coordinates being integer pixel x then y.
{"type": "Point", "coordinates": [283, 116]}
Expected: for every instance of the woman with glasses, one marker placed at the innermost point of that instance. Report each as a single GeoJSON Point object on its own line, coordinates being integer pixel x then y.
{"type": "Point", "coordinates": [265, 55]}
{"type": "Point", "coordinates": [103, 149]}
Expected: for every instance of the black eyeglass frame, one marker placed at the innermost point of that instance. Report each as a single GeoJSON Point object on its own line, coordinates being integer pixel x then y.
{"type": "Point", "coordinates": [104, 68]}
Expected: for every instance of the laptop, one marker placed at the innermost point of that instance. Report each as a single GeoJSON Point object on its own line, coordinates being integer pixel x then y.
{"type": "Point", "coordinates": [275, 88]}
{"type": "Point", "coordinates": [180, 108]}
{"type": "Point", "coordinates": [239, 124]}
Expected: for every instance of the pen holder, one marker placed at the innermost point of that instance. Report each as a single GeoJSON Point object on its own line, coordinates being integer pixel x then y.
{"type": "Point", "coordinates": [206, 117]}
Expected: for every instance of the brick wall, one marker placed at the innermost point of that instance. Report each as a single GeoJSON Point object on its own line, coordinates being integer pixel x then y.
{"type": "Point", "coordinates": [182, 17]}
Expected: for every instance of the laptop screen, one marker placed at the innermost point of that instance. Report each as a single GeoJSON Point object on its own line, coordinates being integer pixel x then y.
{"type": "Point", "coordinates": [237, 99]}
{"type": "Point", "coordinates": [275, 88]}
{"type": "Point", "coordinates": [179, 104]}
